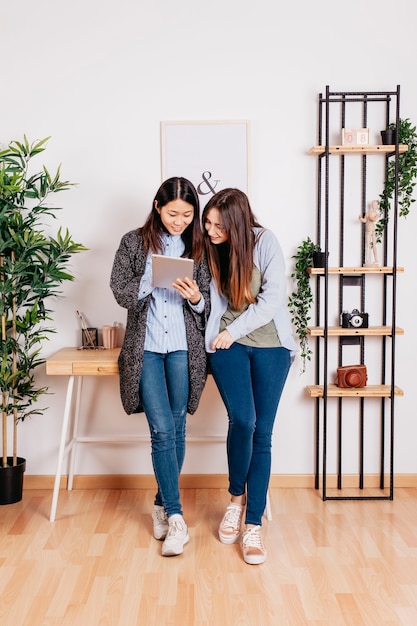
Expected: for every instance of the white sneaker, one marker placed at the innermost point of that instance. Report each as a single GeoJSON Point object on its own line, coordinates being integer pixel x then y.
{"type": "Point", "coordinates": [177, 536]}
{"type": "Point", "coordinates": [254, 551]}
{"type": "Point", "coordinates": [160, 522]}
{"type": "Point", "coordinates": [229, 529]}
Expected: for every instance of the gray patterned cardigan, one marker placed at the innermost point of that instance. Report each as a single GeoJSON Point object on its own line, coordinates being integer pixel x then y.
{"type": "Point", "coordinates": [128, 267]}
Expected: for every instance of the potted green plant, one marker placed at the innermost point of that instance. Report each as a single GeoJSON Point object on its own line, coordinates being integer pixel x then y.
{"type": "Point", "coordinates": [407, 173]}
{"type": "Point", "coordinates": [389, 136]}
{"type": "Point", "coordinates": [300, 300]}
{"type": "Point", "coordinates": [32, 269]}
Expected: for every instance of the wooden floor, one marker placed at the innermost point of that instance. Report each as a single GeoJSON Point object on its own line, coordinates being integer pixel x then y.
{"type": "Point", "coordinates": [329, 563]}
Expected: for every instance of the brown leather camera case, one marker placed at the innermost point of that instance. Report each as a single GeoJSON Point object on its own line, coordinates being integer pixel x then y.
{"type": "Point", "coordinates": [351, 376]}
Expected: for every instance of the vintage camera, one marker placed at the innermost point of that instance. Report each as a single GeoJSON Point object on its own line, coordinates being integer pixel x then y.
{"type": "Point", "coordinates": [351, 376]}
{"type": "Point", "coordinates": [354, 319]}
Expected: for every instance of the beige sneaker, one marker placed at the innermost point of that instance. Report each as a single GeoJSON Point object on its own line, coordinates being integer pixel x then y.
{"type": "Point", "coordinates": [177, 536]}
{"type": "Point", "coordinates": [229, 529]}
{"type": "Point", "coordinates": [160, 522]}
{"type": "Point", "coordinates": [254, 551]}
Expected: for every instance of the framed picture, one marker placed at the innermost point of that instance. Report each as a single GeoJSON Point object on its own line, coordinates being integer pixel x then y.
{"type": "Point", "coordinates": [213, 155]}
{"type": "Point", "coordinates": [355, 136]}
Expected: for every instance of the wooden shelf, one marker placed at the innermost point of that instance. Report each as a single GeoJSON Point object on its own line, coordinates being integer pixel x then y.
{"type": "Point", "coordinates": [370, 391]}
{"type": "Point", "coordinates": [317, 150]}
{"type": "Point", "coordinates": [338, 331]}
{"type": "Point", "coordinates": [355, 270]}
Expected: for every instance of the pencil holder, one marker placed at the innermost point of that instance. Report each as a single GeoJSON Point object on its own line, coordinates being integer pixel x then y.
{"type": "Point", "coordinates": [89, 337]}
{"type": "Point", "coordinates": [109, 336]}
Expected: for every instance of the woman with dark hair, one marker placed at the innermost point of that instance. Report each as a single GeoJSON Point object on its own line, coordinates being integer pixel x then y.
{"type": "Point", "coordinates": [250, 344]}
{"type": "Point", "coordinates": [162, 362]}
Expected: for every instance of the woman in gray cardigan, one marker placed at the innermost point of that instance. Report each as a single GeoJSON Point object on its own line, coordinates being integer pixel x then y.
{"type": "Point", "coordinates": [162, 362]}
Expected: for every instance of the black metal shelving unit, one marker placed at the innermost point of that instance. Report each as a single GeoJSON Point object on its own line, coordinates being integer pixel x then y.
{"type": "Point", "coordinates": [329, 399]}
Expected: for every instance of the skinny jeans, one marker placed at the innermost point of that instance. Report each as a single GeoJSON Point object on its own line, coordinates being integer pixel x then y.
{"type": "Point", "coordinates": [250, 381]}
{"type": "Point", "coordinates": [164, 389]}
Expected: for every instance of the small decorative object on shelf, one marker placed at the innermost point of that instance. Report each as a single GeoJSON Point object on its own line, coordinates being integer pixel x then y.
{"type": "Point", "coordinates": [351, 376]}
{"type": "Point", "coordinates": [369, 219]}
{"type": "Point", "coordinates": [319, 258]}
{"type": "Point", "coordinates": [389, 135]}
{"type": "Point", "coordinates": [354, 319]}
{"type": "Point", "coordinates": [355, 136]}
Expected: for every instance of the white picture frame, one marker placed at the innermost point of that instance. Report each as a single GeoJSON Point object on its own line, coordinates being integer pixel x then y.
{"type": "Point", "coordinates": [213, 155]}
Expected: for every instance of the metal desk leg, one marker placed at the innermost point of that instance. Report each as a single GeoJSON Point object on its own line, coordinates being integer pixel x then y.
{"type": "Point", "coordinates": [61, 452]}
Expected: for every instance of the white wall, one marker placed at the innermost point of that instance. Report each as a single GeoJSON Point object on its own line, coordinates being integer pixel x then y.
{"type": "Point", "coordinates": [99, 76]}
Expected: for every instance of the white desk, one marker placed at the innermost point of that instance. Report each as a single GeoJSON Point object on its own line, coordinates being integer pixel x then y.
{"type": "Point", "coordinates": [76, 364]}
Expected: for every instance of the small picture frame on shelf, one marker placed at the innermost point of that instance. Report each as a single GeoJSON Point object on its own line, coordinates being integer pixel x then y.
{"type": "Point", "coordinates": [355, 136]}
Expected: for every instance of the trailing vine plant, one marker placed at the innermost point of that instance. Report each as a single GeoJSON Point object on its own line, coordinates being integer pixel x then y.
{"type": "Point", "coordinates": [301, 299]}
{"type": "Point", "coordinates": [407, 173]}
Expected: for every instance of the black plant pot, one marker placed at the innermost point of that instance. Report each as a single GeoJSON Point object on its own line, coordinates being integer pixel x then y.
{"type": "Point", "coordinates": [389, 137]}
{"type": "Point", "coordinates": [11, 481]}
{"type": "Point", "coordinates": [319, 259]}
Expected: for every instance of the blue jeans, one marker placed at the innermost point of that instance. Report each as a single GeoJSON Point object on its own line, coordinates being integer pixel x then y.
{"type": "Point", "coordinates": [164, 392]}
{"type": "Point", "coordinates": [250, 381]}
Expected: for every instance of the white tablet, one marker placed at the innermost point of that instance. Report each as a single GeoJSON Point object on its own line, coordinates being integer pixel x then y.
{"type": "Point", "coordinates": [166, 269]}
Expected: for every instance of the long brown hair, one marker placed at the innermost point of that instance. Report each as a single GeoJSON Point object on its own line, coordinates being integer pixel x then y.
{"type": "Point", "coordinates": [232, 268]}
{"type": "Point", "coordinates": [173, 189]}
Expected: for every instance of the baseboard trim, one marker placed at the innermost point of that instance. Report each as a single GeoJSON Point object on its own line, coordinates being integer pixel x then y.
{"type": "Point", "coordinates": [207, 481]}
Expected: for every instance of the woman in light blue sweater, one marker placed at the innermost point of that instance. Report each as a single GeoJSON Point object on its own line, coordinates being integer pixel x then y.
{"type": "Point", "coordinates": [250, 345]}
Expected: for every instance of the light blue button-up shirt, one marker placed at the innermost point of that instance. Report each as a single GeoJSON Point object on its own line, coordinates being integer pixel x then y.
{"type": "Point", "coordinates": [165, 329]}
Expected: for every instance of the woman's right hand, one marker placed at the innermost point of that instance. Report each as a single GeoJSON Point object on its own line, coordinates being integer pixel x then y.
{"type": "Point", "coordinates": [223, 341]}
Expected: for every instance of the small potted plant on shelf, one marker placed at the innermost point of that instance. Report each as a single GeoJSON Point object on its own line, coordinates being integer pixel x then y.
{"type": "Point", "coordinates": [301, 299]}
{"type": "Point", "coordinates": [389, 136]}
{"type": "Point", "coordinates": [32, 268]}
{"type": "Point", "coordinates": [407, 173]}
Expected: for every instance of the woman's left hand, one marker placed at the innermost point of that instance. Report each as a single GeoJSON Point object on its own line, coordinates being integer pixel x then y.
{"type": "Point", "coordinates": [188, 289]}
{"type": "Point", "coordinates": [223, 341]}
